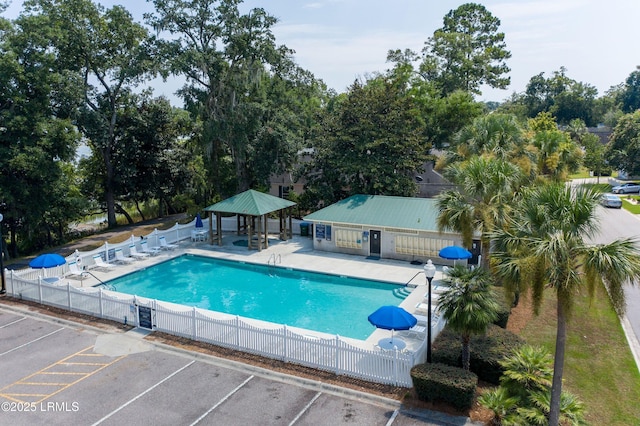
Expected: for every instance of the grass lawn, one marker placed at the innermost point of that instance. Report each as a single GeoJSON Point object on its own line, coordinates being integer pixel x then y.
{"type": "Point", "coordinates": [633, 208]}
{"type": "Point", "coordinates": [599, 367]}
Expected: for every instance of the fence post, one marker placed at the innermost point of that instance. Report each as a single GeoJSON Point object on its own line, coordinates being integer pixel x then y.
{"type": "Point", "coordinates": [237, 331]}
{"type": "Point", "coordinates": [395, 366]}
{"type": "Point", "coordinates": [194, 324]}
{"type": "Point", "coordinates": [40, 290]}
{"type": "Point", "coordinates": [284, 343]}
{"type": "Point", "coordinates": [100, 301]}
{"type": "Point", "coordinates": [69, 295]}
{"type": "Point", "coordinates": [135, 312]}
{"type": "Point", "coordinates": [337, 365]}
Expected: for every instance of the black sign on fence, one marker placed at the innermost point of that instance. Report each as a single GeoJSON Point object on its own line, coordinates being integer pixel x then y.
{"type": "Point", "coordinates": [144, 317]}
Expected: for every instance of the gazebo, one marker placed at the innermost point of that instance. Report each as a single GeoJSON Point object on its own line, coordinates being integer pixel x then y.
{"type": "Point", "coordinates": [249, 206]}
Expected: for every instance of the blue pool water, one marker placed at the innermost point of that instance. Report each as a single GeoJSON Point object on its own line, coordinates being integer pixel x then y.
{"type": "Point", "coordinates": [321, 302]}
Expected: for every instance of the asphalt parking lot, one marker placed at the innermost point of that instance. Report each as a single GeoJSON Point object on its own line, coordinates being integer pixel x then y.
{"type": "Point", "coordinates": [60, 372]}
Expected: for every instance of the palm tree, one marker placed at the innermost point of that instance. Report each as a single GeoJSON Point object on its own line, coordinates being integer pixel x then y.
{"type": "Point", "coordinates": [468, 305]}
{"type": "Point", "coordinates": [496, 134]}
{"type": "Point", "coordinates": [481, 201]}
{"type": "Point", "coordinates": [545, 246]}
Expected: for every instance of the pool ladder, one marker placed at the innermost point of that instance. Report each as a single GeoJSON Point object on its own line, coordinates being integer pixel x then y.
{"type": "Point", "coordinates": [276, 259]}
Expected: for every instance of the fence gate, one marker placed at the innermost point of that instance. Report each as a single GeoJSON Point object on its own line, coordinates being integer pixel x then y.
{"type": "Point", "coordinates": [144, 317]}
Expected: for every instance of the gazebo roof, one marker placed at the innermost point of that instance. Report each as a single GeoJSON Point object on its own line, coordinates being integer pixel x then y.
{"type": "Point", "coordinates": [250, 203]}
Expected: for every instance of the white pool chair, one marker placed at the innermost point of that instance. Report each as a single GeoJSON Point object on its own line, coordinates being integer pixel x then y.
{"type": "Point", "coordinates": [424, 307]}
{"type": "Point", "coordinates": [417, 331]}
{"type": "Point", "coordinates": [74, 271]}
{"type": "Point", "coordinates": [98, 263]}
{"type": "Point", "coordinates": [144, 248]}
{"type": "Point", "coordinates": [120, 258]}
{"type": "Point", "coordinates": [166, 246]}
{"type": "Point", "coordinates": [133, 252]}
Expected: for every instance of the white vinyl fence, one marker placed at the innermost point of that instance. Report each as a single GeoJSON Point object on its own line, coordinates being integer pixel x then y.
{"type": "Point", "coordinates": [262, 338]}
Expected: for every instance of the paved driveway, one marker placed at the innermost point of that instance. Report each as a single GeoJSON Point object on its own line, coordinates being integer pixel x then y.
{"type": "Point", "coordinates": [58, 372]}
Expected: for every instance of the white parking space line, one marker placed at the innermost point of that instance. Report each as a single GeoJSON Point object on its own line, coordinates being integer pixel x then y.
{"type": "Point", "coordinates": [142, 394]}
{"type": "Point", "coordinates": [393, 417]}
{"type": "Point", "coordinates": [306, 407]}
{"type": "Point", "coordinates": [11, 323]}
{"type": "Point", "coordinates": [240, 386]}
{"type": "Point", "coordinates": [33, 341]}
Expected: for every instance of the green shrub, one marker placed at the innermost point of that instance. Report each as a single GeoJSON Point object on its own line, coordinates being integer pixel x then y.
{"type": "Point", "coordinates": [447, 348]}
{"type": "Point", "coordinates": [486, 351]}
{"type": "Point", "coordinates": [440, 382]}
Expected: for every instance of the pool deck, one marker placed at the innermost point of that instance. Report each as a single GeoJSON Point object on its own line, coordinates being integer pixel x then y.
{"type": "Point", "coordinates": [297, 253]}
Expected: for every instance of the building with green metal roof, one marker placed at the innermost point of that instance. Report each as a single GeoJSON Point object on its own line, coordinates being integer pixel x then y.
{"type": "Point", "coordinates": [379, 226]}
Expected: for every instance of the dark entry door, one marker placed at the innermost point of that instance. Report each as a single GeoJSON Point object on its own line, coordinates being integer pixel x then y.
{"type": "Point", "coordinates": [374, 243]}
{"type": "Point", "coordinates": [475, 252]}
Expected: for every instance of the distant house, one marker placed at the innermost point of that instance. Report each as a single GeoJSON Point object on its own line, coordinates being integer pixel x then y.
{"type": "Point", "coordinates": [378, 226]}
{"type": "Point", "coordinates": [602, 132]}
{"type": "Point", "coordinates": [429, 181]}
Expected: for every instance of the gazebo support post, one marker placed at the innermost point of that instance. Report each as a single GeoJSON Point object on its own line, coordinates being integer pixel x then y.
{"type": "Point", "coordinates": [219, 228]}
{"type": "Point", "coordinates": [259, 229]}
{"type": "Point", "coordinates": [266, 231]}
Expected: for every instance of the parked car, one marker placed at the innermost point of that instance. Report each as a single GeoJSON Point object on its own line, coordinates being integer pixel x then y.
{"type": "Point", "coordinates": [626, 188]}
{"type": "Point", "coordinates": [610, 200]}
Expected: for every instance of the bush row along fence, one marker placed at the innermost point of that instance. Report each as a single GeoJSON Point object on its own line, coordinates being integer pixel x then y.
{"type": "Point", "coordinates": [266, 339]}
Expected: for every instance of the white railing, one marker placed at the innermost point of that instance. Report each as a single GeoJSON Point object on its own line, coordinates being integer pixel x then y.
{"type": "Point", "coordinates": [262, 338]}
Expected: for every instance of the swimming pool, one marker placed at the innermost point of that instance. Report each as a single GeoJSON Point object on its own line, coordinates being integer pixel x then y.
{"type": "Point", "coordinates": [327, 303]}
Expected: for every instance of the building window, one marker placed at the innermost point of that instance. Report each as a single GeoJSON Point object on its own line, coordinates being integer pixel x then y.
{"type": "Point", "coordinates": [348, 238]}
{"type": "Point", "coordinates": [420, 246]}
{"type": "Point", "coordinates": [283, 191]}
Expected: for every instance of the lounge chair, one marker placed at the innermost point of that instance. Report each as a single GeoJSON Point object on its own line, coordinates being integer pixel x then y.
{"type": "Point", "coordinates": [133, 252]}
{"type": "Point", "coordinates": [166, 246]}
{"type": "Point", "coordinates": [120, 258]}
{"type": "Point", "coordinates": [417, 331]}
{"type": "Point", "coordinates": [98, 263]}
{"type": "Point", "coordinates": [144, 248]}
{"type": "Point", "coordinates": [424, 307]}
{"type": "Point", "coordinates": [74, 271]}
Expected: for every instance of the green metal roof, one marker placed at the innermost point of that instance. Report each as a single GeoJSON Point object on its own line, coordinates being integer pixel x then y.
{"type": "Point", "coordinates": [381, 211]}
{"type": "Point", "coordinates": [251, 203]}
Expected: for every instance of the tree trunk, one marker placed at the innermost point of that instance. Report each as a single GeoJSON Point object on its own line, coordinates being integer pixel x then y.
{"type": "Point", "coordinates": [466, 353]}
{"type": "Point", "coordinates": [558, 365]}
{"type": "Point", "coordinates": [111, 208]}
{"type": "Point", "coordinates": [485, 252]}
{"type": "Point", "coordinates": [140, 211]}
{"type": "Point", "coordinates": [126, 214]}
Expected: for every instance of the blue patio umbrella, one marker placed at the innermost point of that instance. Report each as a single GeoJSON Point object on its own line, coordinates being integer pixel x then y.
{"type": "Point", "coordinates": [47, 260]}
{"type": "Point", "coordinates": [454, 253]}
{"type": "Point", "coordinates": [392, 318]}
{"type": "Point", "coordinates": [199, 221]}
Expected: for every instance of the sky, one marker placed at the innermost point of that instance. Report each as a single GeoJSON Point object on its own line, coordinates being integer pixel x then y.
{"type": "Point", "coordinates": [340, 41]}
